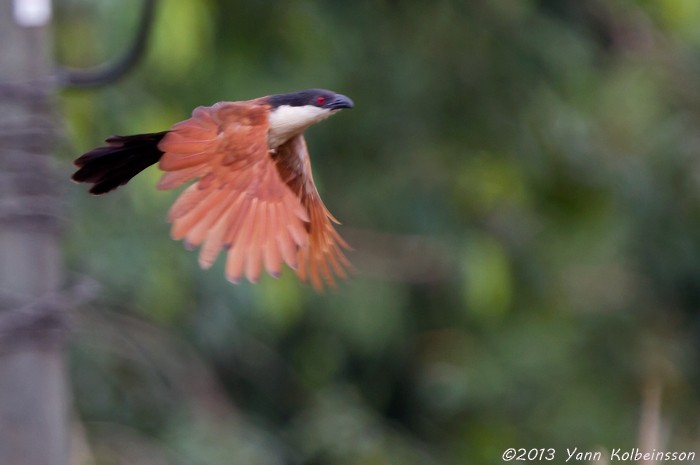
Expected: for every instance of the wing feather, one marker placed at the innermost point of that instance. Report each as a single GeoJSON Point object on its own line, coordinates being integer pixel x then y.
{"type": "Point", "coordinates": [254, 260]}
{"type": "Point", "coordinates": [212, 243]}
{"type": "Point", "coordinates": [272, 257]}
{"type": "Point", "coordinates": [285, 241]}
{"type": "Point", "coordinates": [205, 217]}
{"type": "Point", "coordinates": [174, 179]}
{"type": "Point", "coordinates": [189, 198]}
{"type": "Point", "coordinates": [215, 226]}
{"type": "Point", "coordinates": [324, 251]}
{"type": "Point", "coordinates": [236, 221]}
{"type": "Point", "coordinates": [243, 241]}
{"type": "Point", "coordinates": [261, 206]}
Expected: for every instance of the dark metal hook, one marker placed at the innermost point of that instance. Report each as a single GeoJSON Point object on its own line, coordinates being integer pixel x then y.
{"type": "Point", "coordinates": [111, 72]}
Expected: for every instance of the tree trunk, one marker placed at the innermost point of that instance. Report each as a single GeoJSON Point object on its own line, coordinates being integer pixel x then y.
{"type": "Point", "coordinates": [33, 413]}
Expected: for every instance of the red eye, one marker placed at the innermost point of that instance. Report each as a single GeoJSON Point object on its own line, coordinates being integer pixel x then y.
{"type": "Point", "coordinates": [320, 100]}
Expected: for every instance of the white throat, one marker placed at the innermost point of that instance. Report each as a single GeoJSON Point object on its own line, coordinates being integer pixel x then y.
{"type": "Point", "coordinates": [287, 121]}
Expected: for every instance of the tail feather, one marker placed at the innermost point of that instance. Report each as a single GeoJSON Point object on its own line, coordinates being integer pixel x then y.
{"type": "Point", "coordinates": [114, 164]}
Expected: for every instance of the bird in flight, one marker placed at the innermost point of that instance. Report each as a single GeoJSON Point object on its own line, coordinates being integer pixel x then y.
{"type": "Point", "coordinates": [253, 194]}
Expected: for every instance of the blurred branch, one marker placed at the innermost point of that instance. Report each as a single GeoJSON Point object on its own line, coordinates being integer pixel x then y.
{"type": "Point", "coordinates": [110, 73]}
{"type": "Point", "coordinates": [44, 315]}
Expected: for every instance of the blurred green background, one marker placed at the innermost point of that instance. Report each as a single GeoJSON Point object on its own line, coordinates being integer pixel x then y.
{"type": "Point", "coordinates": [520, 181]}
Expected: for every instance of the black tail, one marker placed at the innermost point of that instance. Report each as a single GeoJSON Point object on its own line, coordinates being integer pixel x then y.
{"type": "Point", "coordinates": [113, 165]}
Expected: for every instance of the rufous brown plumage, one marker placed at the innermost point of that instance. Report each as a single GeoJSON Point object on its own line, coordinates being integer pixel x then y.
{"type": "Point", "coordinates": [253, 193]}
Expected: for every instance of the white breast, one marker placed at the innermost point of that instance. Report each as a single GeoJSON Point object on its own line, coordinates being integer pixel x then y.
{"type": "Point", "coordinates": [287, 121]}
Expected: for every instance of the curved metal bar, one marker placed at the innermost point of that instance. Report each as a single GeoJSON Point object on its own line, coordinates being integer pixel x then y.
{"type": "Point", "coordinates": [111, 72]}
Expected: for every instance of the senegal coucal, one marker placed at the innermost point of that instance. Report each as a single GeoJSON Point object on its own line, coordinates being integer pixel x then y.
{"type": "Point", "coordinates": [253, 194]}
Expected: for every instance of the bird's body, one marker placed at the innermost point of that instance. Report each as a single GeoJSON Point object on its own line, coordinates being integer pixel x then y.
{"type": "Point", "coordinates": [253, 194]}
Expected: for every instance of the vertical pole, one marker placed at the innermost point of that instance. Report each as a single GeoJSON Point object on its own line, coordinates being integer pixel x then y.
{"type": "Point", "coordinates": [33, 413]}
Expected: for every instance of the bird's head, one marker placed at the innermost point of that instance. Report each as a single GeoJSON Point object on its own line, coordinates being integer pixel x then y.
{"type": "Point", "coordinates": [316, 98]}
{"type": "Point", "coordinates": [291, 114]}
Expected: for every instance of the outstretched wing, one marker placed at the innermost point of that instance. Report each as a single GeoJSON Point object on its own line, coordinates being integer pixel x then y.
{"type": "Point", "coordinates": [239, 202]}
{"type": "Point", "coordinates": [324, 257]}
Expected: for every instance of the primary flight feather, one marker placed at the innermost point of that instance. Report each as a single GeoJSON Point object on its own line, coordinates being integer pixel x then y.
{"type": "Point", "coordinates": [253, 194]}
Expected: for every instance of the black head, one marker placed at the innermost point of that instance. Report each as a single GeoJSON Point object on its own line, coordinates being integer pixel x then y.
{"type": "Point", "coordinates": [314, 97]}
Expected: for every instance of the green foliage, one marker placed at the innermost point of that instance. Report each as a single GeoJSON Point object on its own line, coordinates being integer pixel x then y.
{"type": "Point", "coordinates": [519, 180]}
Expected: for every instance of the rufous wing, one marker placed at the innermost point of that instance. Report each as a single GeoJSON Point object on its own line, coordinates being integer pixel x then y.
{"type": "Point", "coordinates": [260, 206]}
{"type": "Point", "coordinates": [323, 258]}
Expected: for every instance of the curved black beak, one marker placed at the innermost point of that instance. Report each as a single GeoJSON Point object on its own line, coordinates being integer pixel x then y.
{"type": "Point", "coordinates": [339, 102]}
